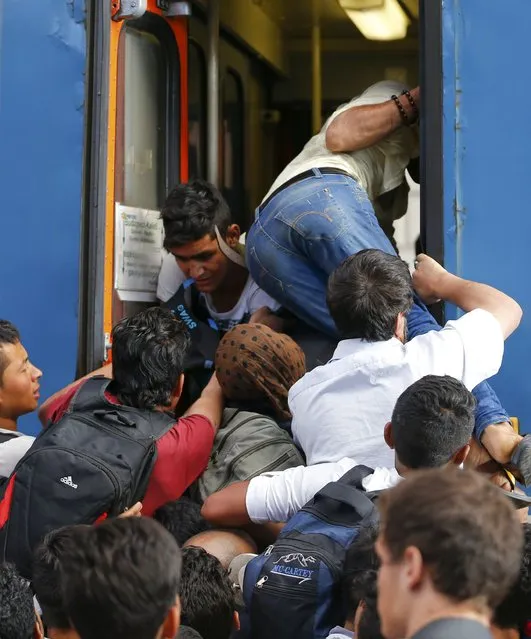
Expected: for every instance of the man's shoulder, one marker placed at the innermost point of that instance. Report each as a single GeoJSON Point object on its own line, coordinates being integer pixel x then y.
{"type": "Point", "coordinates": [451, 627]}
{"type": "Point", "coordinates": [193, 425]}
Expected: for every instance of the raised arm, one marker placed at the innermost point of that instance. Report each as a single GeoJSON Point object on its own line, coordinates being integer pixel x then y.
{"type": "Point", "coordinates": [360, 127]}
{"type": "Point", "coordinates": [210, 404]}
{"type": "Point", "coordinates": [228, 507]}
{"type": "Point", "coordinates": [432, 282]}
{"type": "Point", "coordinates": [106, 371]}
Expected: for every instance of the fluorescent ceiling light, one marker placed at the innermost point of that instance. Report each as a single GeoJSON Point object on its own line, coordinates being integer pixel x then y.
{"type": "Point", "coordinates": [377, 19]}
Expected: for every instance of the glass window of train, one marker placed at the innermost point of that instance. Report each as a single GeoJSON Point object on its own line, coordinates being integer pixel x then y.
{"type": "Point", "coordinates": [147, 121]}
{"type": "Point", "coordinates": [144, 101]}
{"type": "Point", "coordinates": [232, 145]}
{"type": "Point", "coordinates": [196, 110]}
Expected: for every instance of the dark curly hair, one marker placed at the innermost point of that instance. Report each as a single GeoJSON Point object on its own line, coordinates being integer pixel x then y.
{"type": "Point", "coordinates": [17, 613]}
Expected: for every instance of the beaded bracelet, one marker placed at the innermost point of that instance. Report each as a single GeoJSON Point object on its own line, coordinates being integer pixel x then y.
{"type": "Point", "coordinates": [401, 109]}
{"type": "Point", "coordinates": [412, 102]}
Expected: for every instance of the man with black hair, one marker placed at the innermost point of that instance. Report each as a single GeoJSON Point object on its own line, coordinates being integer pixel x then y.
{"type": "Point", "coordinates": [46, 583]}
{"type": "Point", "coordinates": [207, 597]}
{"type": "Point", "coordinates": [149, 351]}
{"type": "Point", "coordinates": [340, 409]}
{"type": "Point", "coordinates": [431, 426]}
{"type": "Point", "coordinates": [121, 580]}
{"type": "Point", "coordinates": [19, 395]}
{"type": "Point", "coordinates": [204, 246]}
{"type": "Point", "coordinates": [512, 618]}
{"type": "Point", "coordinates": [18, 619]}
{"type": "Point", "coordinates": [182, 518]}
{"type": "Point", "coordinates": [185, 632]}
{"type": "Point", "coordinates": [359, 590]}
{"type": "Point", "coordinates": [449, 548]}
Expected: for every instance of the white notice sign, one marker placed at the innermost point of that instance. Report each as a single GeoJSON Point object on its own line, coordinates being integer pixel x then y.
{"type": "Point", "coordinates": [138, 235]}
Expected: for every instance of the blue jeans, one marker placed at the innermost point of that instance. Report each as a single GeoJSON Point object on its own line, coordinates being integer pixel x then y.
{"type": "Point", "coordinates": [304, 233]}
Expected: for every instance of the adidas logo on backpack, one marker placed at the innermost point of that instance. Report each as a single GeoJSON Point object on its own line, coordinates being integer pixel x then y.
{"type": "Point", "coordinates": [68, 481]}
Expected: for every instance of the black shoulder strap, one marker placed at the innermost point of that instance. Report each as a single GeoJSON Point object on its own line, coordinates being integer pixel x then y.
{"type": "Point", "coordinates": [347, 491]}
{"type": "Point", "coordinates": [348, 496]}
{"type": "Point", "coordinates": [91, 395]}
{"type": "Point", "coordinates": [355, 476]}
{"type": "Point", "coordinates": [203, 330]}
{"type": "Point", "coordinates": [5, 437]}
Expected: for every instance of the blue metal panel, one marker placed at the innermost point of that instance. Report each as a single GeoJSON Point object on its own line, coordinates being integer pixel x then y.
{"type": "Point", "coordinates": [487, 164]}
{"type": "Point", "coordinates": [42, 69]}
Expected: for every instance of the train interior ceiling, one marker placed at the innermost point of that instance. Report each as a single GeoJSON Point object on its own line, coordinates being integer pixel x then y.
{"type": "Point", "coordinates": [268, 52]}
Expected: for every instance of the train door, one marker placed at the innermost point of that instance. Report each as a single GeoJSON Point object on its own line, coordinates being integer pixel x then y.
{"type": "Point", "coordinates": [243, 176]}
{"type": "Point", "coordinates": [146, 153]}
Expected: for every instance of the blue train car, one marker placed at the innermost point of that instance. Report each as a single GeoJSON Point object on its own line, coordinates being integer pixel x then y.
{"type": "Point", "coordinates": [43, 62]}
{"type": "Point", "coordinates": [105, 103]}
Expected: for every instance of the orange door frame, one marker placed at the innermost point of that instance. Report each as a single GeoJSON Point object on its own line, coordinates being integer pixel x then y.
{"type": "Point", "coordinates": [179, 26]}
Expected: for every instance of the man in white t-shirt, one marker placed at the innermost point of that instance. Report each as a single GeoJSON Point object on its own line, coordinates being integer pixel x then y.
{"type": "Point", "coordinates": [203, 246]}
{"type": "Point", "coordinates": [19, 395]}
{"type": "Point", "coordinates": [340, 409]}
{"type": "Point", "coordinates": [431, 426]}
{"type": "Point", "coordinates": [321, 208]}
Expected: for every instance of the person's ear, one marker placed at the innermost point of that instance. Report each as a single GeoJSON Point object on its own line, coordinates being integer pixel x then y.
{"type": "Point", "coordinates": [171, 624]}
{"type": "Point", "coordinates": [232, 237]}
{"type": "Point", "coordinates": [178, 390]}
{"type": "Point", "coordinates": [400, 327]}
{"type": "Point", "coordinates": [459, 457]}
{"type": "Point", "coordinates": [388, 435]}
{"type": "Point", "coordinates": [38, 631]}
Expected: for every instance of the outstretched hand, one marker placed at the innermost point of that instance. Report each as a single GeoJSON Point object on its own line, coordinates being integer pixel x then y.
{"type": "Point", "coordinates": [428, 278]}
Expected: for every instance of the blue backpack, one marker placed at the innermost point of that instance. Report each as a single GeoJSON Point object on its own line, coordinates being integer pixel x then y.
{"type": "Point", "coordinates": [294, 589]}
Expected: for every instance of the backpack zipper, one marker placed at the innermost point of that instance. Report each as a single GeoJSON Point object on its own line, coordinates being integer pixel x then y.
{"type": "Point", "coordinates": [111, 431]}
{"type": "Point", "coordinates": [260, 446]}
{"type": "Point", "coordinates": [224, 439]}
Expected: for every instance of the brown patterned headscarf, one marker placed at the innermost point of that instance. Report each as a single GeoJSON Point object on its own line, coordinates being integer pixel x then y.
{"type": "Point", "coordinates": [256, 367]}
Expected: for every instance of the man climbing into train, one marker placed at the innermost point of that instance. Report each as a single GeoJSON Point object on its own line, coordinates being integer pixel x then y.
{"type": "Point", "coordinates": [205, 281]}
{"type": "Point", "coordinates": [321, 210]}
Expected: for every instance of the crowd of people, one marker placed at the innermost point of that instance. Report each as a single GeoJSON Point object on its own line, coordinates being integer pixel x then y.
{"type": "Point", "coordinates": [287, 443]}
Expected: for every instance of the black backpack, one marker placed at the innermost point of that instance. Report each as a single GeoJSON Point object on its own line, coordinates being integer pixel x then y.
{"type": "Point", "coordinates": [293, 589]}
{"type": "Point", "coordinates": [94, 463]}
{"type": "Point", "coordinates": [199, 364]}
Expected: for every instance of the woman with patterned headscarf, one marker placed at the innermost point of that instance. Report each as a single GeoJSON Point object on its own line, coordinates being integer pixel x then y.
{"type": "Point", "coordinates": [256, 367]}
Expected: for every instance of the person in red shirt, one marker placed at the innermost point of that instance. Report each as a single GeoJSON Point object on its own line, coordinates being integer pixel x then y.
{"type": "Point", "coordinates": [149, 351]}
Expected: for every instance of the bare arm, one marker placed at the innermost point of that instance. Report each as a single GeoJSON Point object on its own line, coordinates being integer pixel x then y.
{"type": "Point", "coordinates": [268, 318]}
{"type": "Point", "coordinates": [432, 282]}
{"type": "Point", "coordinates": [210, 404]}
{"type": "Point", "coordinates": [228, 506]}
{"type": "Point", "coordinates": [106, 371]}
{"type": "Point", "coordinates": [363, 126]}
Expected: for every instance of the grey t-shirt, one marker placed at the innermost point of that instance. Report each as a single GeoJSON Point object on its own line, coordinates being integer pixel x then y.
{"type": "Point", "coordinates": [453, 628]}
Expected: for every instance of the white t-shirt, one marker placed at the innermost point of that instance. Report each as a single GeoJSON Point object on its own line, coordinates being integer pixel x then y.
{"type": "Point", "coordinates": [12, 450]}
{"type": "Point", "coordinates": [340, 409]}
{"type": "Point", "coordinates": [279, 495]}
{"type": "Point", "coordinates": [379, 168]}
{"type": "Point", "coordinates": [251, 299]}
